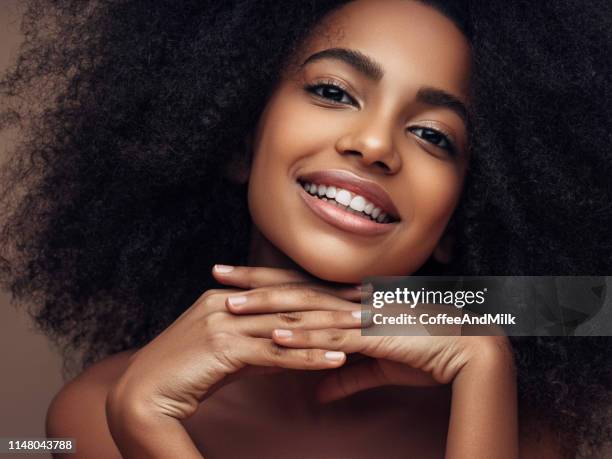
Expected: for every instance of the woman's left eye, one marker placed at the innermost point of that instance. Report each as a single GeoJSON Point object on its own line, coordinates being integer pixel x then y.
{"type": "Point", "coordinates": [332, 93]}
{"type": "Point", "coordinates": [434, 137]}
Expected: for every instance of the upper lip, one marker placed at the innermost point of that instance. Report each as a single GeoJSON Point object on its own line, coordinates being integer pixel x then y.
{"type": "Point", "coordinates": [352, 182]}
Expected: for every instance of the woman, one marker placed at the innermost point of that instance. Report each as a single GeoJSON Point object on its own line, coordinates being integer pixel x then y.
{"type": "Point", "coordinates": [166, 119]}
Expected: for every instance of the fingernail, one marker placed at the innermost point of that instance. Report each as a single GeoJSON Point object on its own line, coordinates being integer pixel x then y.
{"type": "Point", "coordinates": [282, 333]}
{"type": "Point", "coordinates": [356, 314]}
{"type": "Point", "coordinates": [224, 268]}
{"type": "Point", "coordinates": [236, 300]}
{"type": "Point", "coordinates": [334, 355]}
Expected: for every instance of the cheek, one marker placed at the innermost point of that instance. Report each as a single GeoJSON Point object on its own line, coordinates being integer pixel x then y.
{"type": "Point", "coordinates": [283, 139]}
{"type": "Point", "coordinates": [431, 192]}
{"type": "Point", "coordinates": [435, 187]}
{"type": "Point", "coordinates": [284, 136]}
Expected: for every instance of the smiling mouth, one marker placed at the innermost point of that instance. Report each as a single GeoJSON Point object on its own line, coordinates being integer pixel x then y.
{"type": "Point", "coordinates": [349, 202]}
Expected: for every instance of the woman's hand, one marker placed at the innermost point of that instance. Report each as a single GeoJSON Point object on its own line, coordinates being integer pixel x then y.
{"type": "Point", "coordinates": [395, 360]}
{"type": "Point", "coordinates": [208, 345]}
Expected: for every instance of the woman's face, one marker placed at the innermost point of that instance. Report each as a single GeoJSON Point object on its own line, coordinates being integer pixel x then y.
{"type": "Point", "coordinates": [373, 116]}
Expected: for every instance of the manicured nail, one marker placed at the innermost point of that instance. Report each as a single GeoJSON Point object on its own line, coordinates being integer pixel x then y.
{"type": "Point", "coordinates": [224, 269]}
{"type": "Point", "coordinates": [282, 333]}
{"type": "Point", "coordinates": [364, 316]}
{"type": "Point", "coordinates": [334, 355]}
{"type": "Point", "coordinates": [236, 300]}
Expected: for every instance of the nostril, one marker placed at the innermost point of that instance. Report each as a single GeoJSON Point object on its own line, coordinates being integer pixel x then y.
{"type": "Point", "coordinates": [383, 166]}
{"type": "Point", "coordinates": [378, 163]}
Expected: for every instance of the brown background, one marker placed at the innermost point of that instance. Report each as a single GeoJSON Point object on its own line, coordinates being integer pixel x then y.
{"type": "Point", "coordinates": [30, 368]}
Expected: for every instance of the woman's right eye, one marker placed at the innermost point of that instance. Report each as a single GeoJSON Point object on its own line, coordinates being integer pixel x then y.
{"type": "Point", "coordinates": [332, 93]}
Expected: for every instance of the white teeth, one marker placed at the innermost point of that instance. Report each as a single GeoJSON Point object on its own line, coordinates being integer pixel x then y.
{"type": "Point", "coordinates": [358, 203]}
{"type": "Point", "coordinates": [348, 201]}
{"type": "Point", "coordinates": [343, 197]}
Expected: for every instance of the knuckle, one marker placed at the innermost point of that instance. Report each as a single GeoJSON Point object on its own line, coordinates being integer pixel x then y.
{"type": "Point", "coordinates": [276, 352]}
{"type": "Point", "coordinates": [310, 356]}
{"type": "Point", "coordinates": [216, 319]}
{"type": "Point", "coordinates": [278, 295]}
{"type": "Point", "coordinates": [220, 340]}
{"type": "Point", "coordinates": [336, 337]}
{"type": "Point", "coordinates": [296, 291]}
{"type": "Point", "coordinates": [339, 316]}
{"type": "Point", "coordinates": [291, 317]}
{"type": "Point", "coordinates": [266, 297]}
{"type": "Point", "coordinates": [249, 275]}
{"type": "Point", "coordinates": [208, 293]}
{"type": "Point", "coordinates": [310, 295]}
{"type": "Point", "coordinates": [210, 297]}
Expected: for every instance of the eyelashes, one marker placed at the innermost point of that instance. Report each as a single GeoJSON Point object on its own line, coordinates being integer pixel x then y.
{"type": "Point", "coordinates": [333, 93]}
{"type": "Point", "coordinates": [434, 137]}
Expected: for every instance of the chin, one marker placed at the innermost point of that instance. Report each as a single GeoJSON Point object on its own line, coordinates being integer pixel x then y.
{"type": "Point", "coordinates": [335, 269]}
{"type": "Point", "coordinates": [332, 275]}
{"type": "Point", "coordinates": [338, 269]}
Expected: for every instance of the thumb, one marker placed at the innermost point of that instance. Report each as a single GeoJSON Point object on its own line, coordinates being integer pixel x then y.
{"type": "Point", "coordinates": [347, 380]}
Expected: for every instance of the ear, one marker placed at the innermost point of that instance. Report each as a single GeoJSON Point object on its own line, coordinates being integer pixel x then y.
{"type": "Point", "coordinates": [443, 253]}
{"type": "Point", "coordinates": [238, 168]}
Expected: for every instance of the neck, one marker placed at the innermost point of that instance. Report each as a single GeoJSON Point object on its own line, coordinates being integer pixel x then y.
{"type": "Point", "coordinates": [263, 253]}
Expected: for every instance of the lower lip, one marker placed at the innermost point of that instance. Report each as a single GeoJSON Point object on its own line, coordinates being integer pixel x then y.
{"type": "Point", "coordinates": [342, 219]}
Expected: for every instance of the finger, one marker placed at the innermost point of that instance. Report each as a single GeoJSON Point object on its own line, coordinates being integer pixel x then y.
{"type": "Point", "coordinates": [249, 278]}
{"type": "Point", "coordinates": [349, 293]}
{"type": "Point", "coordinates": [285, 298]}
{"type": "Point", "coordinates": [266, 353]}
{"type": "Point", "coordinates": [213, 300]}
{"type": "Point", "coordinates": [262, 325]}
{"type": "Point", "coordinates": [337, 339]}
{"type": "Point", "coordinates": [351, 379]}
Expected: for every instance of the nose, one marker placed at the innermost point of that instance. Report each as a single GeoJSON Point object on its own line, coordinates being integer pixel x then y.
{"type": "Point", "coordinates": [371, 142]}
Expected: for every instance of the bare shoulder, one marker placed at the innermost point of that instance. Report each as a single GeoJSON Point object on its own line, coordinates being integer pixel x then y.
{"type": "Point", "coordinates": [78, 409]}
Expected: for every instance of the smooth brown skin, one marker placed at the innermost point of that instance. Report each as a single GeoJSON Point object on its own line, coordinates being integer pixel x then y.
{"type": "Point", "coordinates": [452, 396]}
{"type": "Point", "coordinates": [299, 133]}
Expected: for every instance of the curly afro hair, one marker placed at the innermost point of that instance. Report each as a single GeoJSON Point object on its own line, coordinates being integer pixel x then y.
{"type": "Point", "coordinates": [131, 111]}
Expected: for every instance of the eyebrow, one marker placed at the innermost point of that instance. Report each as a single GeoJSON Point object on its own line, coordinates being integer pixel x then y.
{"type": "Point", "coordinates": [440, 98]}
{"type": "Point", "coordinates": [362, 63]}
{"type": "Point", "coordinates": [373, 70]}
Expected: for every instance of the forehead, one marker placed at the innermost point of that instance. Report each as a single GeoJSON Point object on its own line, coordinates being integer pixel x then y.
{"type": "Point", "coordinates": [413, 42]}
